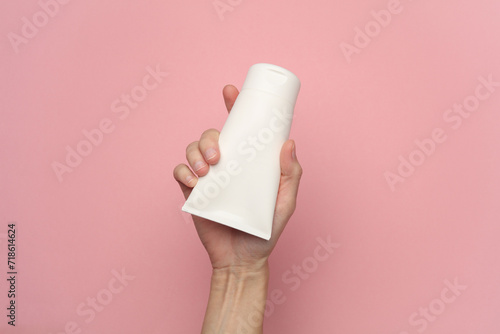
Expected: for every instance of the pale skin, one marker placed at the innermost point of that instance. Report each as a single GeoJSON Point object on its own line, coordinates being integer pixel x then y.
{"type": "Point", "coordinates": [240, 269]}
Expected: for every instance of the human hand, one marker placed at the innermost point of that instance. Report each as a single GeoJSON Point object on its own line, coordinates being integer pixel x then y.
{"type": "Point", "coordinates": [228, 247]}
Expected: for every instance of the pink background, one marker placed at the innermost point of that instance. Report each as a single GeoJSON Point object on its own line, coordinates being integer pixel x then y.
{"type": "Point", "coordinates": [120, 208]}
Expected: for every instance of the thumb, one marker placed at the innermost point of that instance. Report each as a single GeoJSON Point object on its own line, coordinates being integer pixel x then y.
{"type": "Point", "coordinates": [291, 172]}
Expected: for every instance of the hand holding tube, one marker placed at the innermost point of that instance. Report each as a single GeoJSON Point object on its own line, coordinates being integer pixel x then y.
{"type": "Point", "coordinates": [239, 260]}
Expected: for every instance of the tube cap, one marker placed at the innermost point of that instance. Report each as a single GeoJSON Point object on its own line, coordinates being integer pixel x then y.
{"type": "Point", "coordinates": [274, 80]}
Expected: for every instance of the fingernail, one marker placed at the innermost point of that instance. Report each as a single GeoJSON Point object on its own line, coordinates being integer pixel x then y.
{"type": "Point", "coordinates": [189, 178]}
{"type": "Point", "coordinates": [210, 154]}
{"type": "Point", "coordinates": [294, 155]}
{"type": "Point", "coordinates": [198, 165]}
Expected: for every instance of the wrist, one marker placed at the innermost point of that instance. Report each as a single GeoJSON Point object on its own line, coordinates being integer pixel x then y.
{"type": "Point", "coordinates": [239, 282]}
{"type": "Point", "coordinates": [237, 299]}
{"type": "Point", "coordinates": [259, 268]}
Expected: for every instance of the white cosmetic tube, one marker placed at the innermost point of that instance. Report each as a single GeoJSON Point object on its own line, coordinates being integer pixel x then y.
{"type": "Point", "coordinates": [240, 190]}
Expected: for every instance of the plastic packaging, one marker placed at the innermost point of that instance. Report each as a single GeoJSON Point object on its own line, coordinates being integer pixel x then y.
{"type": "Point", "coordinates": [240, 190]}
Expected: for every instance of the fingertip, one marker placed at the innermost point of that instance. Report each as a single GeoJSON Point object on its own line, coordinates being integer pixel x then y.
{"type": "Point", "coordinates": [211, 155]}
{"type": "Point", "coordinates": [286, 154]}
{"type": "Point", "coordinates": [230, 93]}
{"type": "Point", "coordinates": [226, 89]}
{"type": "Point", "coordinates": [229, 89]}
{"type": "Point", "coordinates": [288, 148]}
{"type": "Point", "coordinates": [183, 175]}
{"type": "Point", "coordinates": [200, 168]}
{"type": "Point", "coordinates": [209, 146]}
{"type": "Point", "coordinates": [288, 159]}
{"type": "Point", "coordinates": [175, 171]}
{"type": "Point", "coordinates": [191, 181]}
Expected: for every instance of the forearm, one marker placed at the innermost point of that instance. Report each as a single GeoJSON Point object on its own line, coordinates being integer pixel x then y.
{"type": "Point", "coordinates": [237, 301]}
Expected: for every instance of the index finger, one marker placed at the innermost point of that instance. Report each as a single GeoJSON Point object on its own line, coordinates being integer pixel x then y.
{"type": "Point", "coordinates": [230, 94]}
